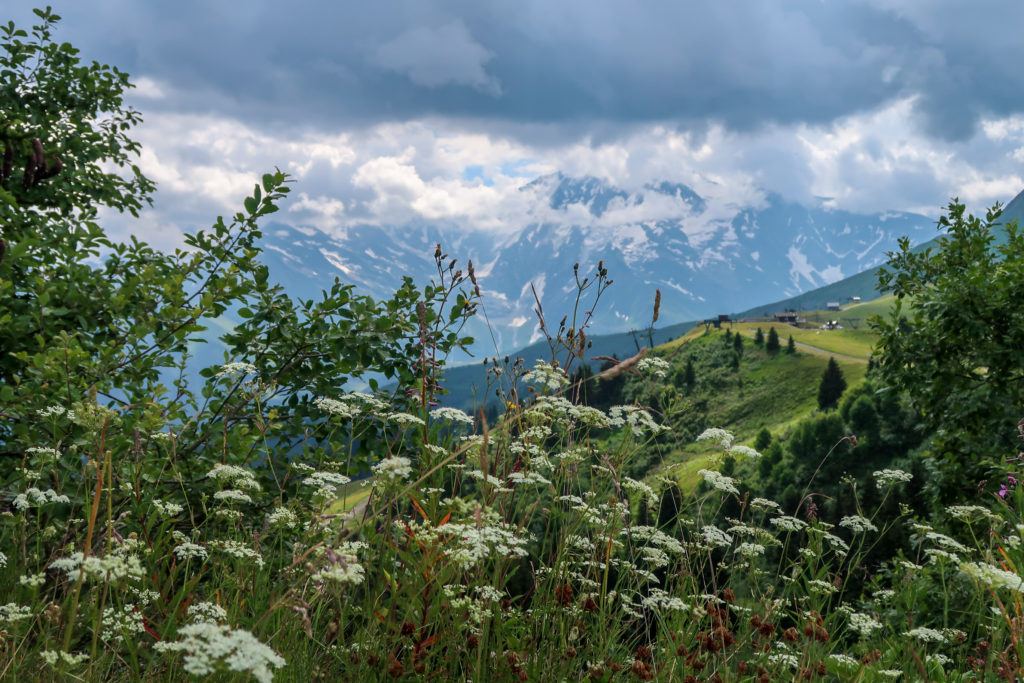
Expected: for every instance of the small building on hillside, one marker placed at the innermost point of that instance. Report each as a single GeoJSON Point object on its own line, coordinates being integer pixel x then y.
{"type": "Point", "coordinates": [855, 299]}
{"type": "Point", "coordinates": [788, 317]}
{"type": "Point", "coordinates": [833, 305]}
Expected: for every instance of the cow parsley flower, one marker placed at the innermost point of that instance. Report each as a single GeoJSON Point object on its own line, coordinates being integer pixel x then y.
{"type": "Point", "coordinates": [12, 612]}
{"type": "Point", "coordinates": [857, 524]}
{"type": "Point", "coordinates": [166, 510]}
{"type": "Point", "coordinates": [394, 468]}
{"type": "Point", "coordinates": [787, 523]}
{"type": "Point", "coordinates": [745, 451]}
{"type": "Point", "coordinates": [546, 376]}
{"type": "Point", "coordinates": [282, 517]}
{"type": "Point", "coordinates": [188, 550]}
{"type": "Point", "coordinates": [239, 477]}
{"type": "Point", "coordinates": [236, 370]}
{"type": "Point", "coordinates": [715, 536]}
{"type": "Point", "coordinates": [343, 409]}
{"type": "Point", "coordinates": [926, 635]}
{"type": "Point", "coordinates": [658, 367]}
{"type": "Point", "coordinates": [210, 648]}
{"type": "Point", "coordinates": [33, 497]}
{"type": "Point", "coordinates": [451, 415]}
{"type": "Point", "coordinates": [750, 549]}
{"type": "Point", "coordinates": [206, 611]}
{"type": "Point", "coordinates": [864, 624]}
{"type": "Point", "coordinates": [765, 505]}
{"type": "Point", "coordinates": [112, 567]}
{"type": "Point", "coordinates": [404, 419]}
{"type": "Point", "coordinates": [890, 477]}
{"type": "Point", "coordinates": [720, 436]}
{"type": "Point", "coordinates": [66, 658]}
{"type": "Point", "coordinates": [719, 481]}
{"type": "Point", "coordinates": [233, 496]}
{"type": "Point", "coordinates": [995, 577]}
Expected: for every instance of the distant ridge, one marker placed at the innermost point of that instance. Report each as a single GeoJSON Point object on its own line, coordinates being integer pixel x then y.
{"type": "Point", "coordinates": [865, 284]}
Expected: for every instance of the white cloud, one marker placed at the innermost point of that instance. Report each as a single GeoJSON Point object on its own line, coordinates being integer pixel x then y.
{"type": "Point", "coordinates": [416, 171]}
{"type": "Point", "coordinates": [433, 57]}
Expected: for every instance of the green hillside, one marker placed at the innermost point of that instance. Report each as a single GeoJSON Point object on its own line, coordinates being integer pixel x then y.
{"type": "Point", "coordinates": [772, 391]}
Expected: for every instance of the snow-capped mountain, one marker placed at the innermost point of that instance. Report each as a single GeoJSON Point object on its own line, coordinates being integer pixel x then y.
{"type": "Point", "coordinates": [705, 257]}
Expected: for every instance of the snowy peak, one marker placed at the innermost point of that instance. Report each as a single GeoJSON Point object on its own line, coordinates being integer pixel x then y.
{"type": "Point", "coordinates": [705, 257]}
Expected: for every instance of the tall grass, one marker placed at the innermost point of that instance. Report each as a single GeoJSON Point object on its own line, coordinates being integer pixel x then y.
{"type": "Point", "coordinates": [485, 552]}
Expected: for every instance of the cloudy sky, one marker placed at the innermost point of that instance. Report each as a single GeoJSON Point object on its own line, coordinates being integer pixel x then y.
{"type": "Point", "coordinates": [423, 110]}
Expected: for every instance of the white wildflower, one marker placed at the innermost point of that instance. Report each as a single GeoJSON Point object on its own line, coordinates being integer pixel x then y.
{"type": "Point", "coordinates": [765, 504]}
{"type": "Point", "coordinates": [166, 510]}
{"type": "Point", "coordinates": [210, 648]}
{"type": "Point", "coordinates": [638, 419]}
{"type": "Point", "coordinates": [342, 409]}
{"type": "Point", "coordinates": [995, 577]}
{"type": "Point", "coordinates": [239, 550]}
{"type": "Point", "coordinates": [188, 550]}
{"type": "Point", "coordinates": [720, 436]}
{"type": "Point", "coordinates": [282, 517]}
{"type": "Point", "coordinates": [945, 541]}
{"type": "Point", "coordinates": [474, 545]}
{"type": "Point", "coordinates": [236, 370]}
{"type": "Point", "coordinates": [926, 635]}
{"type": "Point", "coordinates": [111, 567]}
{"type": "Point", "coordinates": [206, 611]}
{"type": "Point", "coordinates": [845, 661]}
{"type": "Point", "coordinates": [119, 623]}
{"type": "Point", "coordinates": [404, 419]}
{"type": "Point", "coordinates": [750, 549]}
{"type": "Point", "coordinates": [641, 488]}
{"type": "Point", "coordinates": [66, 658]}
{"type": "Point", "coordinates": [745, 451]}
{"type": "Point", "coordinates": [857, 524]}
{"type": "Point", "coordinates": [233, 496]}
{"type": "Point", "coordinates": [890, 477]}
{"type": "Point", "coordinates": [239, 477]}
{"type": "Point", "coordinates": [451, 415]}
{"type": "Point", "coordinates": [546, 376]}
{"type": "Point", "coordinates": [656, 366]}
{"type": "Point", "coordinates": [12, 612]}
{"type": "Point", "coordinates": [787, 523]}
{"type": "Point", "coordinates": [864, 624]}
{"type": "Point", "coordinates": [33, 497]}
{"type": "Point", "coordinates": [33, 580]}
{"type": "Point", "coordinates": [821, 587]}
{"type": "Point", "coordinates": [394, 468]}
{"type": "Point", "coordinates": [715, 536]}
{"type": "Point", "coordinates": [968, 513]}
{"type": "Point", "coordinates": [719, 481]}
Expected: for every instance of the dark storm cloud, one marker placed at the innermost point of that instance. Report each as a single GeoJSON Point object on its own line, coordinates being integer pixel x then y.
{"type": "Point", "coordinates": [743, 64]}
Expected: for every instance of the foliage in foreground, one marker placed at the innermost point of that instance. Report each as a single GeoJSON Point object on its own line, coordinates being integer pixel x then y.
{"type": "Point", "coordinates": [154, 534]}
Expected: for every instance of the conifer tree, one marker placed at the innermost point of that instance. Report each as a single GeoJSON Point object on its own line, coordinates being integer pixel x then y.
{"type": "Point", "coordinates": [832, 386]}
{"type": "Point", "coordinates": [791, 346]}
{"type": "Point", "coordinates": [759, 337]}
{"type": "Point", "coordinates": [690, 374]}
{"type": "Point", "coordinates": [772, 344]}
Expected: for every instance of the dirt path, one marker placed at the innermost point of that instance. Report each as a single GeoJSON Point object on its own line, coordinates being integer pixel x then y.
{"type": "Point", "coordinates": [824, 352]}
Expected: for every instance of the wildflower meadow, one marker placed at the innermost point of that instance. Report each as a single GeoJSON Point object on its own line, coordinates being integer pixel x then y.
{"type": "Point", "coordinates": [260, 519]}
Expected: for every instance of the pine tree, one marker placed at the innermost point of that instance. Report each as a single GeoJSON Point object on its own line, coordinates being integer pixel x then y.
{"type": "Point", "coordinates": [690, 374]}
{"type": "Point", "coordinates": [759, 337]}
{"type": "Point", "coordinates": [772, 345]}
{"type": "Point", "coordinates": [737, 343]}
{"type": "Point", "coordinates": [791, 346]}
{"type": "Point", "coordinates": [832, 386]}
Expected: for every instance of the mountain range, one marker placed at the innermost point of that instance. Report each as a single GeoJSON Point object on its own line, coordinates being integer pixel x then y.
{"type": "Point", "coordinates": [706, 256]}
